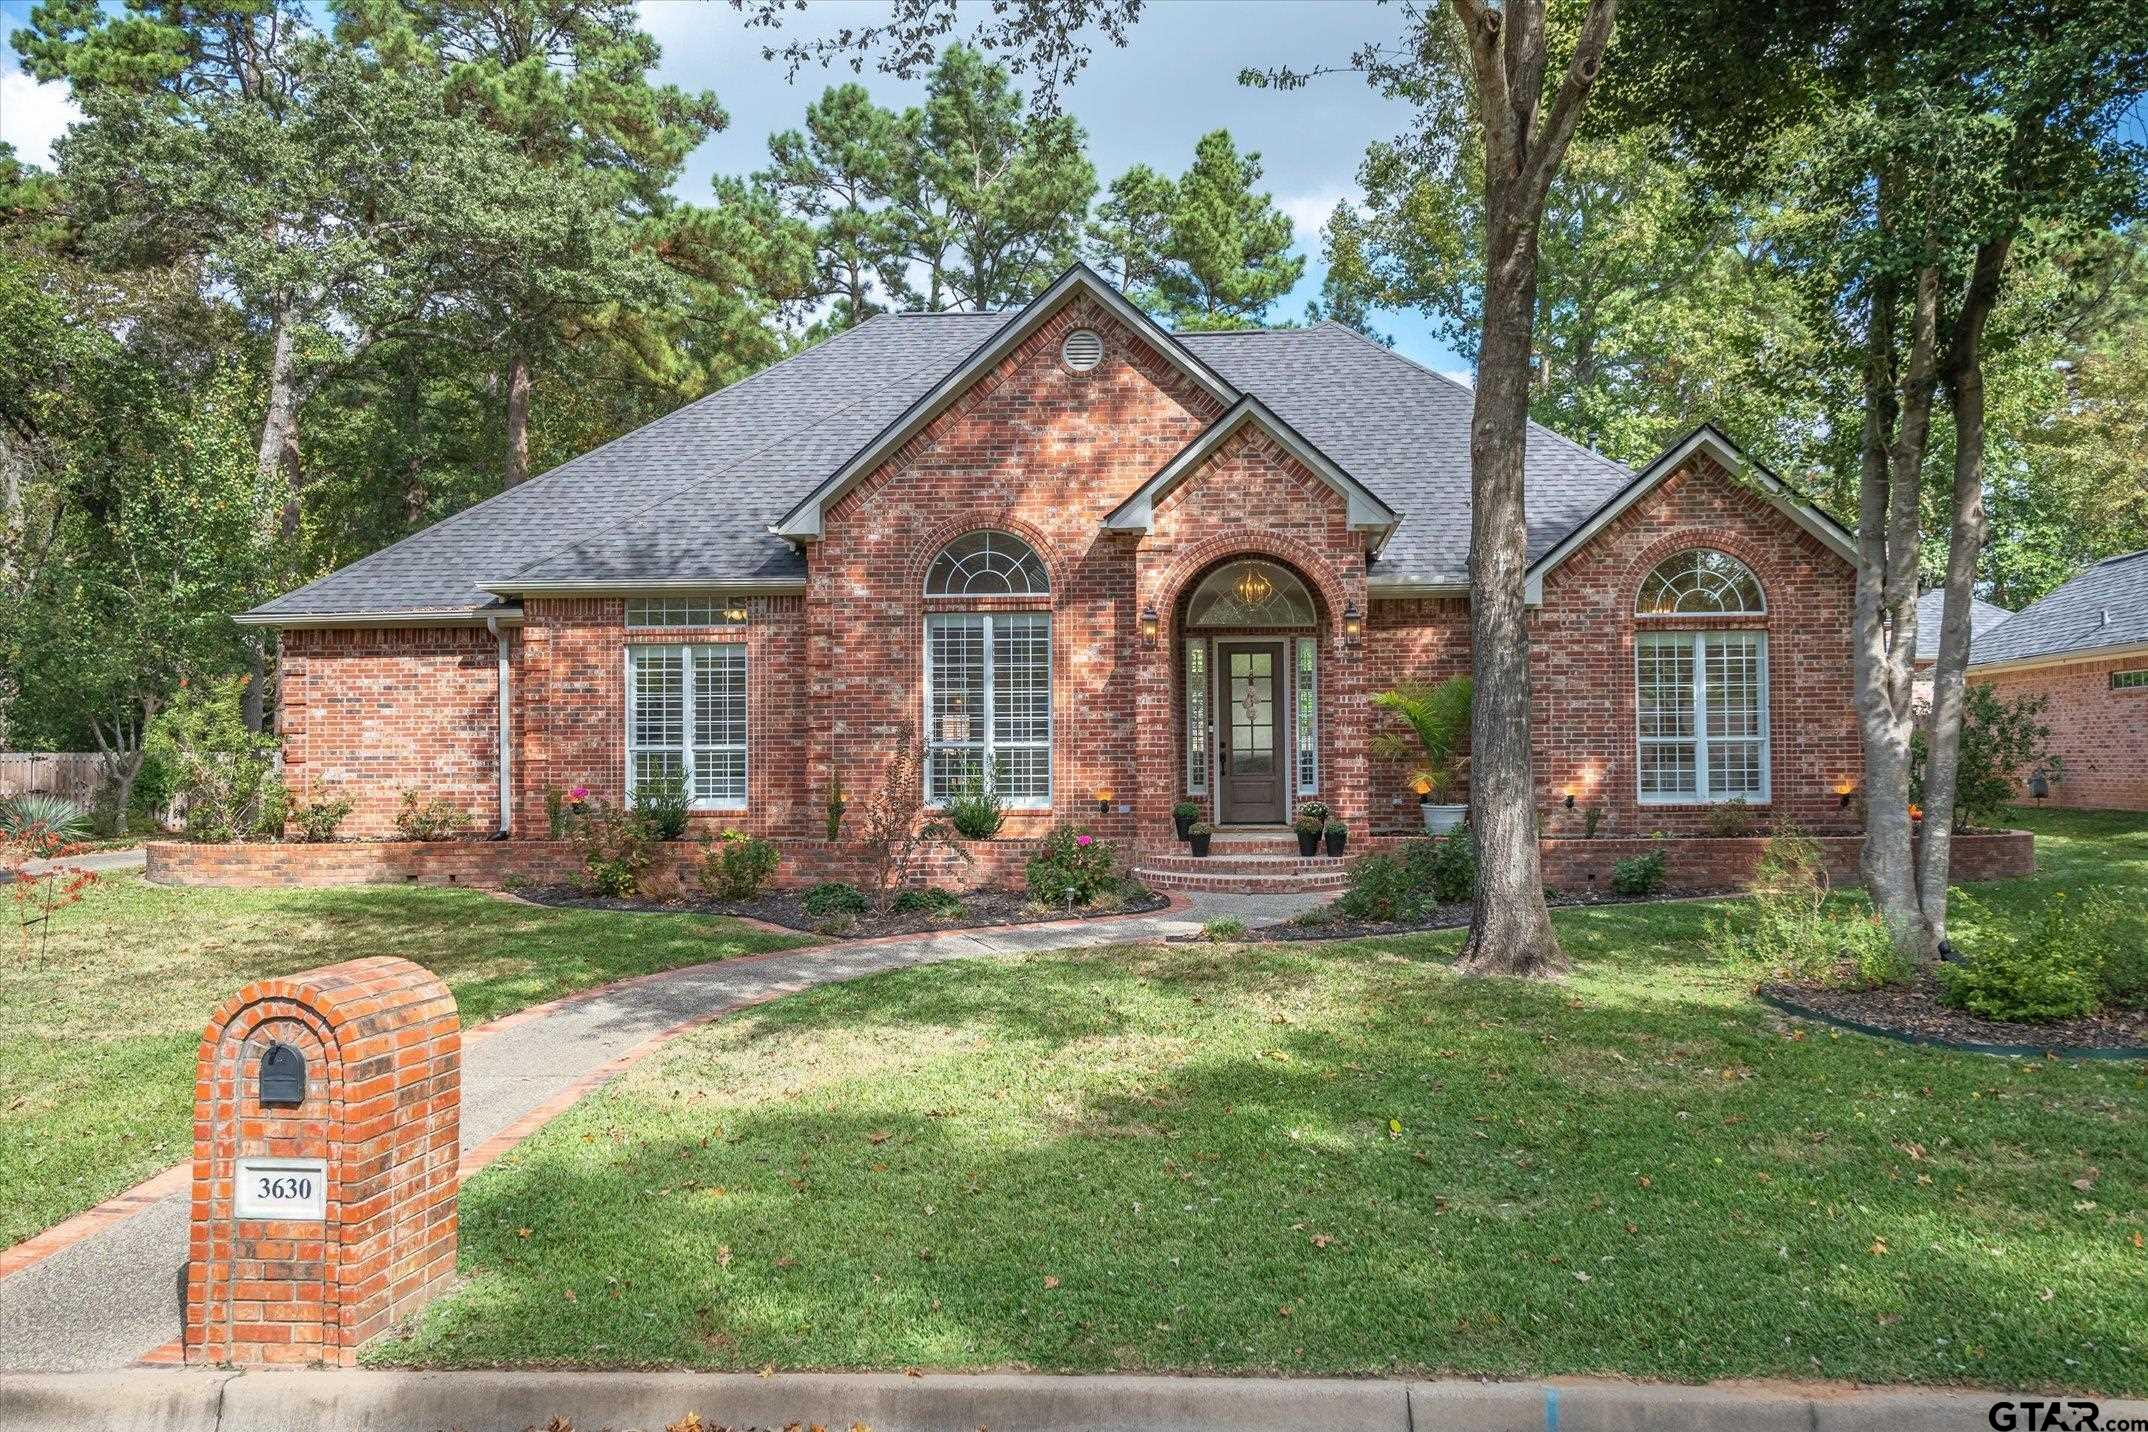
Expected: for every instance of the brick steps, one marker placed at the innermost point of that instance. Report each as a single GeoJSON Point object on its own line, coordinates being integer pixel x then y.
{"type": "Point", "coordinates": [1235, 873]}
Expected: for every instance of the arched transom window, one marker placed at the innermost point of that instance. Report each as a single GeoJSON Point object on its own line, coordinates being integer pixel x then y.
{"type": "Point", "coordinates": [987, 564]}
{"type": "Point", "coordinates": [1701, 697]}
{"type": "Point", "coordinates": [988, 675]}
{"type": "Point", "coordinates": [1250, 594]}
{"type": "Point", "coordinates": [1701, 583]}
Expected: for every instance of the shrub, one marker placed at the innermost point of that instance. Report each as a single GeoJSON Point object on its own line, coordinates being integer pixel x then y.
{"type": "Point", "coordinates": [896, 832]}
{"type": "Point", "coordinates": [1073, 868]}
{"type": "Point", "coordinates": [1200, 827]}
{"type": "Point", "coordinates": [617, 846]}
{"type": "Point", "coordinates": [1220, 932]}
{"type": "Point", "coordinates": [223, 771]}
{"type": "Point", "coordinates": [1186, 810]}
{"type": "Point", "coordinates": [1639, 874]}
{"type": "Point", "coordinates": [317, 820]}
{"type": "Point", "coordinates": [42, 824]}
{"type": "Point", "coordinates": [1336, 827]}
{"type": "Point", "coordinates": [735, 865]}
{"type": "Point", "coordinates": [2031, 982]}
{"type": "Point", "coordinates": [1444, 868]}
{"type": "Point", "coordinates": [666, 803]}
{"type": "Point", "coordinates": [1381, 890]}
{"type": "Point", "coordinates": [975, 810]}
{"type": "Point", "coordinates": [932, 902]}
{"type": "Point", "coordinates": [1999, 738]}
{"type": "Point", "coordinates": [833, 897]}
{"type": "Point", "coordinates": [1313, 812]}
{"type": "Point", "coordinates": [2125, 948]}
{"type": "Point", "coordinates": [435, 818]}
{"type": "Point", "coordinates": [1732, 820]}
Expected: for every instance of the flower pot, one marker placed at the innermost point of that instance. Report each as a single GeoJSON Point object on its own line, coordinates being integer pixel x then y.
{"type": "Point", "coordinates": [1200, 843]}
{"type": "Point", "coordinates": [1185, 826]}
{"type": "Point", "coordinates": [1440, 819]}
{"type": "Point", "coordinates": [1337, 839]}
{"type": "Point", "coordinates": [1308, 842]}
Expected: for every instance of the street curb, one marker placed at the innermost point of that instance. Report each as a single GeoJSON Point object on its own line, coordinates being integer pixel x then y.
{"type": "Point", "coordinates": [511, 1401]}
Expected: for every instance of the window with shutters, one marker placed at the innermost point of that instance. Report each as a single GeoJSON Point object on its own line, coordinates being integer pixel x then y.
{"type": "Point", "coordinates": [686, 720]}
{"type": "Point", "coordinates": [1701, 713]}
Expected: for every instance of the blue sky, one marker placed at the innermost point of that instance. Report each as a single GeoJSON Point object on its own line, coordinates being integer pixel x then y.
{"type": "Point", "coordinates": [1147, 103]}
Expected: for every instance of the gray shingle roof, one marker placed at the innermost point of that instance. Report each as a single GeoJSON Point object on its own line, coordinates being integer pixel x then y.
{"type": "Point", "coordinates": [2105, 606]}
{"type": "Point", "coordinates": [689, 497]}
{"type": "Point", "coordinates": [1983, 616]}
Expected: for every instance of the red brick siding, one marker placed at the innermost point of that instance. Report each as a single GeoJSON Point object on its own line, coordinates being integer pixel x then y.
{"type": "Point", "coordinates": [369, 714]}
{"type": "Point", "coordinates": [383, 1046]}
{"type": "Point", "coordinates": [1582, 650]}
{"type": "Point", "coordinates": [2101, 734]}
{"type": "Point", "coordinates": [1038, 450]}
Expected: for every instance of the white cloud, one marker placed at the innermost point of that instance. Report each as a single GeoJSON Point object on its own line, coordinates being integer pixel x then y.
{"type": "Point", "coordinates": [1309, 212]}
{"type": "Point", "coordinates": [33, 115]}
{"type": "Point", "coordinates": [1464, 376]}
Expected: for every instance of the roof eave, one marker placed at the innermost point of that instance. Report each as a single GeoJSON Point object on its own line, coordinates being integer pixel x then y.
{"type": "Point", "coordinates": [804, 521]}
{"type": "Point", "coordinates": [616, 587]}
{"type": "Point", "coordinates": [323, 621]}
{"type": "Point", "coordinates": [2116, 652]}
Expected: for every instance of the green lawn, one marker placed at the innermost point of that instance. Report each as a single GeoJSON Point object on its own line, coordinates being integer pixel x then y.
{"type": "Point", "coordinates": [97, 1043]}
{"type": "Point", "coordinates": [1332, 1159]}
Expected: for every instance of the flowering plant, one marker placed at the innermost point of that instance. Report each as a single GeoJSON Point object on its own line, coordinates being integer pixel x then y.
{"type": "Point", "coordinates": [1073, 867]}
{"type": "Point", "coordinates": [1085, 840]}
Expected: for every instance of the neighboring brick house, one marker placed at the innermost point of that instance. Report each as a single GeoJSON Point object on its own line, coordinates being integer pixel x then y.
{"type": "Point", "coordinates": [2084, 649]}
{"type": "Point", "coordinates": [1983, 616]}
{"type": "Point", "coordinates": [1114, 565]}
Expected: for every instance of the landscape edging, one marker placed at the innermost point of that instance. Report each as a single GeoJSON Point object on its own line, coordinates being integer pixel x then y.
{"type": "Point", "coordinates": [1933, 1041]}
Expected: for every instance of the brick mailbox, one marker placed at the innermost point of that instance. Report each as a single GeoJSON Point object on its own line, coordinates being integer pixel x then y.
{"type": "Point", "coordinates": [326, 1122]}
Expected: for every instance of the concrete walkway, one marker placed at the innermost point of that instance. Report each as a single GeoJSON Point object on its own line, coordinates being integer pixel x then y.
{"type": "Point", "coordinates": [198, 1401]}
{"type": "Point", "coordinates": [104, 1300]}
{"type": "Point", "coordinates": [104, 862]}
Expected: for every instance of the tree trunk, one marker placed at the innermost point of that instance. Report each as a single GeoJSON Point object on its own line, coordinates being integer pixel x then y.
{"type": "Point", "coordinates": [276, 459]}
{"type": "Point", "coordinates": [1965, 542]}
{"type": "Point", "coordinates": [518, 419]}
{"type": "Point", "coordinates": [1888, 530]}
{"type": "Point", "coordinates": [1509, 927]}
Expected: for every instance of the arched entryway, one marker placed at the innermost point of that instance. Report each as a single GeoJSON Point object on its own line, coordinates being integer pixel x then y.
{"type": "Point", "coordinates": [1249, 694]}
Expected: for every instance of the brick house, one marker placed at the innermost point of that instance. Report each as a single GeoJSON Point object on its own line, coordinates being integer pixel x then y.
{"type": "Point", "coordinates": [1983, 616]}
{"type": "Point", "coordinates": [1113, 565]}
{"type": "Point", "coordinates": [2084, 648]}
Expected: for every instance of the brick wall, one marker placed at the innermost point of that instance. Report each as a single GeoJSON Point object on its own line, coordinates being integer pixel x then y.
{"type": "Point", "coordinates": [369, 714]}
{"type": "Point", "coordinates": [382, 1045]}
{"type": "Point", "coordinates": [1582, 660]}
{"type": "Point", "coordinates": [2101, 734]}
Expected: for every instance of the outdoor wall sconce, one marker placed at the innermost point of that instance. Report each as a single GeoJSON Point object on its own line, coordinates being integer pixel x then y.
{"type": "Point", "coordinates": [1843, 791]}
{"type": "Point", "coordinates": [2039, 783]}
{"type": "Point", "coordinates": [1148, 623]}
{"type": "Point", "coordinates": [1424, 791]}
{"type": "Point", "coordinates": [1103, 800]}
{"type": "Point", "coordinates": [1569, 794]}
{"type": "Point", "coordinates": [1353, 625]}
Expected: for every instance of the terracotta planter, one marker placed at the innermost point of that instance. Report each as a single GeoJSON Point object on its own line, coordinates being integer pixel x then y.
{"type": "Point", "coordinates": [1200, 843]}
{"type": "Point", "coordinates": [1337, 839]}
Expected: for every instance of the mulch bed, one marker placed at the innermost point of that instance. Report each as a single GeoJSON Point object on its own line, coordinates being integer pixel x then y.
{"type": "Point", "coordinates": [1450, 917]}
{"type": "Point", "coordinates": [1913, 1012]}
{"type": "Point", "coordinates": [787, 908]}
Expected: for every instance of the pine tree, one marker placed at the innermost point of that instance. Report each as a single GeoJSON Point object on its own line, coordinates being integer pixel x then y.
{"type": "Point", "coordinates": [836, 175]}
{"type": "Point", "coordinates": [1229, 257]}
{"type": "Point", "coordinates": [1132, 230]}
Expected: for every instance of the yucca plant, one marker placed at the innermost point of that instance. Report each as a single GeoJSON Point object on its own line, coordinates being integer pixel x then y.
{"type": "Point", "coordinates": [1439, 715]}
{"type": "Point", "coordinates": [42, 822]}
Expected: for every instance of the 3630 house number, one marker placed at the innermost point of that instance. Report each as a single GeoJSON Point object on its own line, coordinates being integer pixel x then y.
{"type": "Point", "coordinates": [281, 1188]}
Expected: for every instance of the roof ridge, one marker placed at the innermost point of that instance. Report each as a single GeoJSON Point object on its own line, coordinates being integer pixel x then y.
{"type": "Point", "coordinates": [2115, 559]}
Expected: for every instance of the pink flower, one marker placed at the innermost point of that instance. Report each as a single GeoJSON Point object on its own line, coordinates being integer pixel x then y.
{"type": "Point", "coordinates": [1085, 840]}
{"type": "Point", "coordinates": [579, 793]}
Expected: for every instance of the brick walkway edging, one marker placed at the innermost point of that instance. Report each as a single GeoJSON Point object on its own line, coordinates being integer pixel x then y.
{"type": "Point", "coordinates": [121, 1206]}
{"type": "Point", "coordinates": [198, 1401]}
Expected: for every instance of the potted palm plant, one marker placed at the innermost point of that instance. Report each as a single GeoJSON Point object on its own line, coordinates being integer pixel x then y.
{"type": "Point", "coordinates": [1312, 819]}
{"type": "Point", "coordinates": [1438, 718]}
{"type": "Point", "coordinates": [1183, 815]}
{"type": "Point", "coordinates": [1198, 833]}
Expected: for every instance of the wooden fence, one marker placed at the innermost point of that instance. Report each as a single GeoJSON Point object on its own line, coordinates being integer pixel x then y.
{"type": "Point", "coordinates": [70, 774]}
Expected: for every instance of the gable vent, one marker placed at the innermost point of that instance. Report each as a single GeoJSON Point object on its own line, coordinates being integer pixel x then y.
{"type": "Point", "coordinates": [1081, 350]}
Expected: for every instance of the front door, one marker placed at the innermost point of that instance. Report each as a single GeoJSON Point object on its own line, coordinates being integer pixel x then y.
{"type": "Point", "coordinates": [1250, 751]}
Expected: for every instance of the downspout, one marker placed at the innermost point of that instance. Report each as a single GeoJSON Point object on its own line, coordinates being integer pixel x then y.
{"type": "Point", "coordinates": [507, 820]}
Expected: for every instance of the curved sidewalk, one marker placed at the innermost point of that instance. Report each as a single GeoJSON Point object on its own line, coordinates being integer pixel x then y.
{"type": "Point", "coordinates": [108, 1292]}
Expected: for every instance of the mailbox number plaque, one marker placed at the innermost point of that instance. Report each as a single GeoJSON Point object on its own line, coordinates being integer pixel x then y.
{"type": "Point", "coordinates": [282, 1188]}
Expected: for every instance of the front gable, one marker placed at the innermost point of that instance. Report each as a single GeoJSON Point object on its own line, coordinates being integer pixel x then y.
{"type": "Point", "coordinates": [988, 365]}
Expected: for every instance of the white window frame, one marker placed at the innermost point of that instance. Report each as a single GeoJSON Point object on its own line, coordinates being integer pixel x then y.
{"type": "Point", "coordinates": [1200, 732]}
{"type": "Point", "coordinates": [691, 652]}
{"type": "Point", "coordinates": [1697, 648]}
{"type": "Point", "coordinates": [987, 745]}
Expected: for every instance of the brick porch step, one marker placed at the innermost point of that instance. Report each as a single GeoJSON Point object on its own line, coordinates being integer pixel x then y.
{"type": "Point", "coordinates": [1261, 874]}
